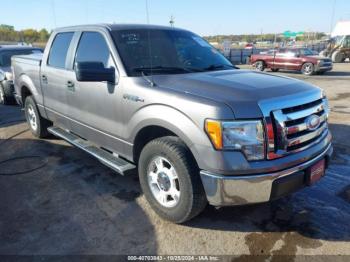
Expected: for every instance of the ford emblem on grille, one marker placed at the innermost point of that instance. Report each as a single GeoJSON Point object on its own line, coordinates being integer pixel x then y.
{"type": "Point", "coordinates": [312, 122]}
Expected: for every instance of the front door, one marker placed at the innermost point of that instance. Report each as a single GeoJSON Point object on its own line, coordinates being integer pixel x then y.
{"type": "Point", "coordinates": [95, 106]}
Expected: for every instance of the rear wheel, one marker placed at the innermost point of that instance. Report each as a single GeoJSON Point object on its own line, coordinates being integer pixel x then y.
{"type": "Point", "coordinates": [260, 66]}
{"type": "Point", "coordinates": [170, 180]}
{"type": "Point", "coordinates": [38, 125]}
{"type": "Point", "coordinates": [4, 99]}
{"type": "Point", "coordinates": [307, 69]}
{"type": "Point", "coordinates": [338, 57]}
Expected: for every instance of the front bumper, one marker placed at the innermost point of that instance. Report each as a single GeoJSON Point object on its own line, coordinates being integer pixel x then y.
{"type": "Point", "coordinates": [247, 189]}
{"type": "Point", "coordinates": [323, 68]}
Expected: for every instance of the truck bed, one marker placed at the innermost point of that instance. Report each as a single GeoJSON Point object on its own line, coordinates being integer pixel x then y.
{"type": "Point", "coordinates": [29, 66]}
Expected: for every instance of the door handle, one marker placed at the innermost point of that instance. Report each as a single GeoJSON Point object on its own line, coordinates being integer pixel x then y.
{"type": "Point", "coordinates": [44, 78]}
{"type": "Point", "coordinates": [70, 86]}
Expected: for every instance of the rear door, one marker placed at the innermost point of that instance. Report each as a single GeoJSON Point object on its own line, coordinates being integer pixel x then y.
{"type": "Point", "coordinates": [95, 107]}
{"type": "Point", "coordinates": [54, 77]}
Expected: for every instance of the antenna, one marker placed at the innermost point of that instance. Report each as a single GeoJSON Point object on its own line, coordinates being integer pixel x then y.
{"type": "Point", "coordinates": [149, 46]}
{"type": "Point", "coordinates": [53, 12]}
{"type": "Point", "coordinates": [172, 21]}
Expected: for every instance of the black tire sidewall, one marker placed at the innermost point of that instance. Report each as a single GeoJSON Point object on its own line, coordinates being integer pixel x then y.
{"type": "Point", "coordinates": [5, 101]}
{"type": "Point", "coordinates": [179, 212]}
{"type": "Point", "coordinates": [262, 66]}
{"type": "Point", "coordinates": [30, 101]}
{"type": "Point", "coordinates": [303, 71]}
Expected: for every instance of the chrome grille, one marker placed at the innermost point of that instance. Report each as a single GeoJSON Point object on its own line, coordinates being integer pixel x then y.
{"type": "Point", "coordinates": [292, 130]}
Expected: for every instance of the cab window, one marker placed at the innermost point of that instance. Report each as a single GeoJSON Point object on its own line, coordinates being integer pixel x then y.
{"type": "Point", "coordinates": [59, 50]}
{"type": "Point", "coordinates": [93, 47]}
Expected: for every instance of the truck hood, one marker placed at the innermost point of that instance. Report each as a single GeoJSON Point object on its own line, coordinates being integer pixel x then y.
{"type": "Point", "coordinates": [241, 90]}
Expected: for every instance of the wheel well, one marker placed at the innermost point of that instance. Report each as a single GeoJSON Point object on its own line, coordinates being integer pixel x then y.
{"type": "Point", "coordinates": [146, 135]}
{"type": "Point", "coordinates": [25, 92]}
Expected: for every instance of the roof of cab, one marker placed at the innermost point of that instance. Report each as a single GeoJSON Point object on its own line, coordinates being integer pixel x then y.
{"type": "Point", "coordinates": [117, 27]}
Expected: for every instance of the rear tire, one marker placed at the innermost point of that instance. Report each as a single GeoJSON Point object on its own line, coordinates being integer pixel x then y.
{"type": "Point", "coordinates": [175, 195]}
{"type": "Point", "coordinates": [308, 69]}
{"type": "Point", "coordinates": [37, 124]}
{"type": "Point", "coordinates": [260, 66]}
{"type": "Point", "coordinates": [4, 98]}
{"type": "Point", "coordinates": [338, 57]}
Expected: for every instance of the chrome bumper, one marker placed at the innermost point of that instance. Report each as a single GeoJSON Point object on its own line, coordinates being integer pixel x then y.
{"type": "Point", "coordinates": [239, 190]}
{"type": "Point", "coordinates": [323, 68]}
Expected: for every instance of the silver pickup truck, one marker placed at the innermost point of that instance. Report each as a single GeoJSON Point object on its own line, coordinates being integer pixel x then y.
{"type": "Point", "coordinates": [163, 100]}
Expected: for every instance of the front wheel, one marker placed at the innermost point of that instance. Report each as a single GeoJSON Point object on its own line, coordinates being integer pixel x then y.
{"type": "Point", "coordinates": [259, 66]}
{"type": "Point", "coordinates": [307, 69]}
{"type": "Point", "coordinates": [170, 180]}
{"type": "Point", "coordinates": [38, 125]}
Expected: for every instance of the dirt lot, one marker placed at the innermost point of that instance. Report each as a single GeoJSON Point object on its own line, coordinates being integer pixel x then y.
{"type": "Point", "coordinates": [55, 199]}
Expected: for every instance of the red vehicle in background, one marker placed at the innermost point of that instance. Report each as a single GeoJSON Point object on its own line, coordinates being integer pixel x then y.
{"type": "Point", "coordinates": [300, 59]}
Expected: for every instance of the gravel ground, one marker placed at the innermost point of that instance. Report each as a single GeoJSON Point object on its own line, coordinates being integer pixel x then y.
{"type": "Point", "coordinates": [57, 200]}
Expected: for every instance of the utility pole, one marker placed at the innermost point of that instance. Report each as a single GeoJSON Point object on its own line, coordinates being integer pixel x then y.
{"type": "Point", "coordinates": [172, 21]}
{"type": "Point", "coordinates": [332, 17]}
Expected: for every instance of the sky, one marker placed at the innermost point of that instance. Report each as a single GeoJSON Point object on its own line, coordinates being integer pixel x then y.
{"type": "Point", "coordinates": [205, 17]}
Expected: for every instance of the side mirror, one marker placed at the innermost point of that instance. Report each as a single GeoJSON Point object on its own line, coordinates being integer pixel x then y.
{"type": "Point", "coordinates": [2, 76]}
{"type": "Point", "coordinates": [94, 72]}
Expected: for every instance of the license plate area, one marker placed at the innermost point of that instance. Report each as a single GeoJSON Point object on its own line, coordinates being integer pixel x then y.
{"type": "Point", "coordinates": [316, 172]}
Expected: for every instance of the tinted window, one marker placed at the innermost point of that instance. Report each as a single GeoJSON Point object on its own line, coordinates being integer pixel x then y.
{"type": "Point", "coordinates": [154, 51]}
{"type": "Point", "coordinates": [5, 56]}
{"type": "Point", "coordinates": [59, 49]}
{"type": "Point", "coordinates": [93, 48]}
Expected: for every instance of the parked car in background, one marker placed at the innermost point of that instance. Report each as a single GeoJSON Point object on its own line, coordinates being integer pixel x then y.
{"type": "Point", "coordinates": [6, 84]}
{"type": "Point", "coordinates": [249, 46]}
{"type": "Point", "coordinates": [163, 101]}
{"type": "Point", "coordinates": [300, 59]}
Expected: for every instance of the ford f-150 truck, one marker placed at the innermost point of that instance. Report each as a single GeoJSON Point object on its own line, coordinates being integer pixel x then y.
{"type": "Point", "coordinates": [300, 59]}
{"type": "Point", "coordinates": [163, 101]}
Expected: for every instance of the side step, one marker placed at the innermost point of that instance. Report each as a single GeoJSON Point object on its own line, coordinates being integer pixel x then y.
{"type": "Point", "coordinates": [117, 164]}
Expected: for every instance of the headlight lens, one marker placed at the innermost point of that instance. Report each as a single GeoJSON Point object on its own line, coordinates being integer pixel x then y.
{"type": "Point", "coordinates": [8, 76]}
{"type": "Point", "coordinates": [245, 136]}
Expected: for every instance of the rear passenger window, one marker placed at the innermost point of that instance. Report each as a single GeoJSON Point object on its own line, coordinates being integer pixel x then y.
{"type": "Point", "coordinates": [59, 50]}
{"type": "Point", "coordinates": [93, 48]}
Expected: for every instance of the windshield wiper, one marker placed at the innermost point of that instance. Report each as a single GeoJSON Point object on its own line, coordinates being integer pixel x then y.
{"type": "Point", "coordinates": [162, 68]}
{"type": "Point", "coordinates": [219, 66]}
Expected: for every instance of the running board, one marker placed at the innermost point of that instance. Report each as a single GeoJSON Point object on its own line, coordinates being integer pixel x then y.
{"type": "Point", "coordinates": [117, 164]}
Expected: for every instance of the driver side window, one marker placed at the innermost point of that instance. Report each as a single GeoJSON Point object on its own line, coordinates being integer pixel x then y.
{"type": "Point", "coordinates": [93, 47]}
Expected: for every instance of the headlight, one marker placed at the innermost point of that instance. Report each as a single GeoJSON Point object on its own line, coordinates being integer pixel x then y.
{"type": "Point", "coordinates": [245, 136]}
{"type": "Point", "coordinates": [320, 62]}
{"type": "Point", "coordinates": [8, 76]}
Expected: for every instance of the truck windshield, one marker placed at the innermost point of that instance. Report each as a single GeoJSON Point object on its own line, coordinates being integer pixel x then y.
{"type": "Point", "coordinates": [156, 51]}
{"type": "Point", "coordinates": [5, 56]}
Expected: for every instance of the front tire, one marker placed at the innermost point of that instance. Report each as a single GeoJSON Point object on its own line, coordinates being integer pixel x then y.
{"type": "Point", "coordinates": [260, 66]}
{"type": "Point", "coordinates": [170, 180]}
{"type": "Point", "coordinates": [37, 124]}
{"type": "Point", "coordinates": [337, 57]}
{"type": "Point", "coordinates": [308, 69]}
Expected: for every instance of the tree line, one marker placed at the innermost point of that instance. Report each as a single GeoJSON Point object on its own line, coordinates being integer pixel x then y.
{"type": "Point", "coordinates": [9, 34]}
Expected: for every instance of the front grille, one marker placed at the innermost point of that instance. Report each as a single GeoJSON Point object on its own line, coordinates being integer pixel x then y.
{"type": "Point", "coordinates": [292, 130]}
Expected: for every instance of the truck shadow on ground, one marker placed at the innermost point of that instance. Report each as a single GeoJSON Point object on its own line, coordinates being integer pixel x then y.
{"type": "Point", "coordinates": [57, 199]}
